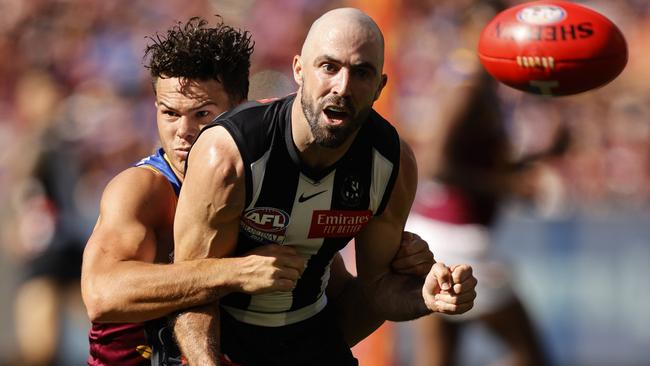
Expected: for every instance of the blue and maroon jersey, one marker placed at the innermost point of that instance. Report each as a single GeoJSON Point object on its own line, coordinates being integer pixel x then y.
{"type": "Point", "coordinates": [136, 344]}
{"type": "Point", "coordinates": [118, 344]}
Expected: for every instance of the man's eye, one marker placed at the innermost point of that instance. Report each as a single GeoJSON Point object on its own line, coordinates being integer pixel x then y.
{"type": "Point", "coordinates": [170, 113]}
{"type": "Point", "coordinates": [362, 73]}
{"type": "Point", "coordinates": [329, 67]}
{"type": "Point", "coordinates": [202, 114]}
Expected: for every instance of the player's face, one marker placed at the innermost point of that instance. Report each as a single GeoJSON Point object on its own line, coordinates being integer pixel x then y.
{"type": "Point", "coordinates": [183, 109]}
{"type": "Point", "coordinates": [340, 80]}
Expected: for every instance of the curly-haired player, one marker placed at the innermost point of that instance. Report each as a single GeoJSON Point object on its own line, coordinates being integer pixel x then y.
{"type": "Point", "coordinates": [129, 284]}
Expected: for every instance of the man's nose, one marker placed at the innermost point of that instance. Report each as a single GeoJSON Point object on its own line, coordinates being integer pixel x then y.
{"type": "Point", "coordinates": [186, 129]}
{"type": "Point", "coordinates": [341, 82]}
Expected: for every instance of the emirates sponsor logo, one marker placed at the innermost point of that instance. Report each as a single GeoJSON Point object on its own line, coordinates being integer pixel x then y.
{"type": "Point", "coordinates": [337, 223]}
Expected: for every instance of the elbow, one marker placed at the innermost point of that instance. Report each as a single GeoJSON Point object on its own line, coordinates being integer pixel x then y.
{"type": "Point", "coordinates": [98, 304]}
{"type": "Point", "coordinates": [95, 313]}
{"type": "Point", "coordinates": [96, 309]}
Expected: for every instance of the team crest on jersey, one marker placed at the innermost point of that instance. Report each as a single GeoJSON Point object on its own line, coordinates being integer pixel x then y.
{"type": "Point", "coordinates": [337, 223]}
{"type": "Point", "coordinates": [265, 224]}
{"type": "Point", "coordinates": [351, 191]}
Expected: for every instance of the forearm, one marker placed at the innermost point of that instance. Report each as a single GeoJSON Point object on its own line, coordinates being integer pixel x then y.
{"type": "Point", "coordinates": [397, 297]}
{"type": "Point", "coordinates": [197, 334]}
{"type": "Point", "coordinates": [356, 320]}
{"type": "Point", "coordinates": [134, 291]}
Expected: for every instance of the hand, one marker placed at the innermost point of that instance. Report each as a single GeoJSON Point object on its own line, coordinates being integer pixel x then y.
{"type": "Point", "coordinates": [449, 290]}
{"type": "Point", "coordinates": [413, 257]}
{"type": "Point", "coordinates": [270, 268]}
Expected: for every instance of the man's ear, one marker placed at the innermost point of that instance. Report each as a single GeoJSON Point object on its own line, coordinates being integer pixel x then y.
{"type": "Point", "coordinates": [297, 69]}
{"type": "Point", "coordinates": [382, 84]}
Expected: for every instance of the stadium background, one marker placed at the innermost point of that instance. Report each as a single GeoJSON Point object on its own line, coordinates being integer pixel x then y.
{"type": "Point", "coordinates": [71, 75]}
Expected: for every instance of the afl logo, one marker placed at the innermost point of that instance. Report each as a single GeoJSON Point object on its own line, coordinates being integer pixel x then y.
{"type": "Point", "coordinates": [266, 219]}
{"type": "Point", "coordinates": [541, 14]}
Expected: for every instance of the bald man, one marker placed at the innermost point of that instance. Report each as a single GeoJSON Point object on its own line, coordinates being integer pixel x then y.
{"type": "Point", "coordinates": [312, 171]}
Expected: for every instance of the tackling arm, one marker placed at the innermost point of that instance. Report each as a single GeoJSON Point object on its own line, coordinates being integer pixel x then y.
{"type": "Point", "coordinates": [120, 281]}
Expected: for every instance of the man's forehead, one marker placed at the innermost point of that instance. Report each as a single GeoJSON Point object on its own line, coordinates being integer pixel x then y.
{"type": "Point", "coordinates": [191, 97]}
{"type": "Point", "coordinates": [350, 50]}
{"type": "Point", "coordinates": [350, 43]}
{"type": "Point", "coordinates": [189, 88]}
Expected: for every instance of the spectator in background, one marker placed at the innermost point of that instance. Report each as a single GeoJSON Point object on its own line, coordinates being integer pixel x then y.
{"type": "Point", "coordinates": [456, 204]}
{"type": "Point", "coordinates": [460, 138]}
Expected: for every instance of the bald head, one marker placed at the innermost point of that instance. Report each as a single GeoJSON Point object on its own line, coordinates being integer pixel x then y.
{"type": "Point", "coordinates": [340, 75]}
{"type": "Point", "coordinates": [346, 26]}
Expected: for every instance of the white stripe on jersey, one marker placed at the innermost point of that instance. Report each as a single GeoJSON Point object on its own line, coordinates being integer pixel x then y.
{"type": "Point", "coordinates": [273, 309]}
{"type": "Point", "coordinates": [382, 168]}
{"type": "Point", "coordinates": [277, 319]}
{"type": "Point", "coordinates": [258, 168]}
{"type": "Point", "coordinates": [296, 236]}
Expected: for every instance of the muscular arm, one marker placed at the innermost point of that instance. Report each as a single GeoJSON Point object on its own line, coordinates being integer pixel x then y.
{"type": "Point", "coordinates": [120, 281]}
{"type": "Point", "coordinates": [396, 280]}
{"type": "Point", "coordinates": [206, 225]}
{"type": "Point", "coordinates": [396, 296]}
{"type": "Point", "coordinates": [353, 316]}
{"type": "Point", "coordinates": [356, 320]}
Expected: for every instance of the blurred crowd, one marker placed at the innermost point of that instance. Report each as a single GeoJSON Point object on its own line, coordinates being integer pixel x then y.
{"type": "Point", "coordinates": [76, 103]}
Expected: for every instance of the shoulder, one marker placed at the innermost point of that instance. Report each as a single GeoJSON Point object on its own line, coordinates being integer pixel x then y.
{"type": "Point", "coordinates": [215, 162]}
{"type": "Point", "coordinates": [214, 146]}
{"type": "Point", "coordinates": [380, 124]}
{"type": "Point", "coordinates": [384, 136]}
{"type": "Point", "coordinates": [252, 127]}
{"type": "Point", "coordinates": [404, 184]}
{"type": "Point", "coordinates": [408, 165]}
{"type": "Point", "coordinates": [142, 180]}
{"type": "Point", "coordinates": [138, 191]}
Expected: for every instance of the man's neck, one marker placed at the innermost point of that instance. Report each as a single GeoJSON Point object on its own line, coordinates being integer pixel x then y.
{"type": "Point", "coordinates": [311, 153]}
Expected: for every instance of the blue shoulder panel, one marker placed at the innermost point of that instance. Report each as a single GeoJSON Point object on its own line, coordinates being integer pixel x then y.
{"type": "Point", "coordinates": [160, 164]}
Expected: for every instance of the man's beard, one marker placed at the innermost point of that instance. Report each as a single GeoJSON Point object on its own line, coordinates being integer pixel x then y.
{"type": "Point", "coordinates": [332, 136]}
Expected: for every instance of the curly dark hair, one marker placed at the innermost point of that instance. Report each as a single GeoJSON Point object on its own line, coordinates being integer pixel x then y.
{"type": "Point", "coordinates": [195, 51]}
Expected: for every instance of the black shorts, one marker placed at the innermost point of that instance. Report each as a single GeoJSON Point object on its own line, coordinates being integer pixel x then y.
{"type": "Point", "coordinates": [313, 342]}
{"type": "Point", "coordinates": [164, 350]}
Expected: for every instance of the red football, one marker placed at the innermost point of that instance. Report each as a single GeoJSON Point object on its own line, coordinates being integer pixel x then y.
{"type": "Point", "coordinates": [552, 48]}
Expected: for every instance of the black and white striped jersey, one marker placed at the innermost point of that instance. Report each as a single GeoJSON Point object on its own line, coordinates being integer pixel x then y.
{"type": "Point", "coordinates": [315, 212]}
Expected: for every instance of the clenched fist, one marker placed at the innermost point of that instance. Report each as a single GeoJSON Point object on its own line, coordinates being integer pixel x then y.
{"type": "Point", "coordinates": [449, 290]}
{"type": "Point", "coordinates": [269, 268]}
